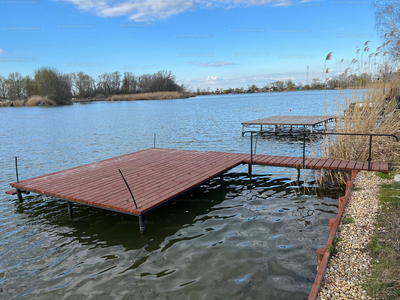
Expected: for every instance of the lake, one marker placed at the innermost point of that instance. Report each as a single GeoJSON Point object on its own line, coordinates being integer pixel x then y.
{"type": "Point", "coordinates": [254, 238]}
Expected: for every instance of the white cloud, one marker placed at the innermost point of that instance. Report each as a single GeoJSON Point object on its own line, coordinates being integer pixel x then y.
{"type": "Point", "coordinates": [2, 51]}
{"type": "Point", "coordinates": [213, 79]}
{"type": "Point", "coordinates": [148, 10]}
{"type": "Point", "coordinates": [211, 64]}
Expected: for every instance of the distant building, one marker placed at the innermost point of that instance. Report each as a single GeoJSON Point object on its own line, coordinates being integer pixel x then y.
{"type": "Point", "coordinates": [272, 89]}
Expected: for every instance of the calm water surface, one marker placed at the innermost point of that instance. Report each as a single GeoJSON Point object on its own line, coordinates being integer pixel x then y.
{"type": "Point", "coordinates": [255, 238]}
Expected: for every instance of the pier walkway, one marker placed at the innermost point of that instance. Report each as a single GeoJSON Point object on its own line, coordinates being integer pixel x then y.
{"type": "Point", "coordinates": [157, 176]}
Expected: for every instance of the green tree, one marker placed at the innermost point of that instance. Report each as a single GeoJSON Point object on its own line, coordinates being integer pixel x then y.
{"type": "Point", "coordinates": [48, 82]}
{"type": "Point", "coordinates": [291, 87]}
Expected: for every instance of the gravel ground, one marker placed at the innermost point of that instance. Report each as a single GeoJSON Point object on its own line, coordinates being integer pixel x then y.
{"type": "Point", "coordinates": [345, 271]}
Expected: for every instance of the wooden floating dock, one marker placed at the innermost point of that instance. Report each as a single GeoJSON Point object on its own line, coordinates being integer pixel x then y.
{"type": "Point", "coordinates": [158, 176]}
{"type": "Point", "coordinates": [275, 121]}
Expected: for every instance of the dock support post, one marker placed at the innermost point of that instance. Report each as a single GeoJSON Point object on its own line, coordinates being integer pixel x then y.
{"type": "Point", "coordinates": [298, 174]}
{"type": "Point", "coordinates": [19, 195]}
{"type": "Point", "coordinates": [70, 211]}
{"type": "Point", "coordinates": [142, 226]}
{"type": "Point", "coordinates": [250, 170]}
{"type": "Point", "coordinates": [261, 128]}
{"type": "Point", "coordinates": [221, 179]}
{"type": "Point", "coordinates": [291, 127]}
{"type": "Point", "coordinates": [275, 126]}
{"type": "Point", "coordinates": [242, 129]}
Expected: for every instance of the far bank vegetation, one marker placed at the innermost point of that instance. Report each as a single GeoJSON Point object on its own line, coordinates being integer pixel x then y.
{"type": "Point", "coordinates": [48, 86]}
{"type": "Point", "coordinates": [149, 96]}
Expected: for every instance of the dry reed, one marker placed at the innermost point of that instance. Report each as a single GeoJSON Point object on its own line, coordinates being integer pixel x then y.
{"type": "Point", "coordinates": [39, 100]}
{"type": "Point", "coordinates": [369, 110]}
{"type": "Point", "coordinates": [18, 103]}
{"type": "Point", "coordinates": [149, 96]}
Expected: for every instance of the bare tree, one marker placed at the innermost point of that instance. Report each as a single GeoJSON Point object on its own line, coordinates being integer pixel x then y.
{"type": "Point", "coordinates": [387, 16]}
{"type": "Point", "coordinates": [15, 85]}
{"type": "Point", "coordinates": [3, 87]}
{"type": "Point", "coordinates": [82, 85]}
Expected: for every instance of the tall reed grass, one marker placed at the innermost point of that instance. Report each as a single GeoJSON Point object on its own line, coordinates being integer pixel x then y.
{"type": "Point", "coordinates": [39, 100]}
{"type": "Point", "coordinates": [368, 110]}
{"type": "Point", "coordinates": [14, 103]}
{"type": "Point", "coordinates": [149, 96]}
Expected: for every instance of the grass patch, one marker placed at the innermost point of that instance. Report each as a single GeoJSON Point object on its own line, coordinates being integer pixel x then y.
{"type": "Point", "coordinates": [385, 175]}
{"type": "Point", "coordinates": [390, 197]}
{"type": "Point", "coordinates": [332, 249]}
{"type": "Point", "coordinates": [384, 247]}
{"type": "Point", "coordinates": [356, 188]}
{"type": "Point", "coordinates": [348, 219]}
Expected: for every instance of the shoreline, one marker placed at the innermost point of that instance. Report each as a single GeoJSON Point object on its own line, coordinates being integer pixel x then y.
{"type": "Point", "coordinates": [347, 270]}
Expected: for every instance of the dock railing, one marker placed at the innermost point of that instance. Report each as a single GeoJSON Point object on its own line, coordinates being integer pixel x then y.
{"type": "Point", "coordinates": [304, 134]}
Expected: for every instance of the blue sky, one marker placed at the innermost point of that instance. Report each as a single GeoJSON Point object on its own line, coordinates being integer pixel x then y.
{"type": "Point", "coordinates": [205, 43]}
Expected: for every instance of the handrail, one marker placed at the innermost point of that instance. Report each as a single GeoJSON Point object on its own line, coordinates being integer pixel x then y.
{"type": "Point", "coordinates": [325, 133]}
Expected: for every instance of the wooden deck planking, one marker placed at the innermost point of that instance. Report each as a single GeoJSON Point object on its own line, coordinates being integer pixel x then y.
{"type": "Point", "coordinates": [157, 176]}
{"type": "Point", "coordinates": [147, 187]}
{"type": "Point", "coordinates": [343, 164]}
{"type": "Point", "coordinates": [115, 177]}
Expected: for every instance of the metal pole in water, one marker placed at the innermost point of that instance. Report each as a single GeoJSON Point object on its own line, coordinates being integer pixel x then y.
{"type": "Point", "coordinates": [251, 153]}
{"type": "Point", "coordinates": [70, 211]}
{"type": "Point", "coordinates": [142, 225]}
{"type": "Point", "coordinates": [16, 167]}
{"type": "Point", "coordinates": [155, 136]}
{"type": "Point", "coordinates": [19, 194]}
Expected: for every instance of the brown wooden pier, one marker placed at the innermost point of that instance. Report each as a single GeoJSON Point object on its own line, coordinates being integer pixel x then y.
{"type": "Point", "coordinates": [298, 121]}
{"type": "Point", "coordinates": [157, 176]}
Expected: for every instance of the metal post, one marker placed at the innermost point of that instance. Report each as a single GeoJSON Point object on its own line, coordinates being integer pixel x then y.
{"type": "Point", "coordinates": [16, 167]}
{"type": "Point", "coordinates": [251, 153]}
{"type": "Point", "coordinates": [155, 137]}
{"type": "Point", "coordinates": [304, 149]}
{"type": "Point", "coordinates": [275, 128]}
{"type": "Point", "coordinates": [142, 225]}
{"type": "Point", "coordinates": [370, 151]}
{"type": "Point", "coordinates": [251, 148]}
{"type": "Point", "coordinates": [221, 179]}
{"type": "Point", "coordinates": [70, 211]}
{"type": "Point", "coordinates": [242, 129]}
{"type": "Point", "coordinates": [261, 128]}
{"type": "Point", "coordinates": [19, 194]}
{"type": "Point", "coordinates": [298, 174]}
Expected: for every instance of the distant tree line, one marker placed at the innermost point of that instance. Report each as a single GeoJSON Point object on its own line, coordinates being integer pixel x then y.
{"type": "Point", "coordinates": [61, 88]}
{"type": "Point", "coordinates": [339, 81]}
